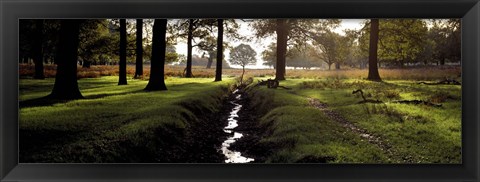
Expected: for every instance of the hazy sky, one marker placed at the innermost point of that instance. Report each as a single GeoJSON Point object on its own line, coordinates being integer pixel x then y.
{"type": "Point", "coordinates": [259, 47]}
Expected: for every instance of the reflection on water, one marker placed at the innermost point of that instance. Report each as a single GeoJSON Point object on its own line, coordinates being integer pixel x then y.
{"type": "Point", "coordinates": [233, 156]}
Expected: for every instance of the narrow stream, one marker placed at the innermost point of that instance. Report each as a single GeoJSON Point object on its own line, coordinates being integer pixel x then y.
{"type": "Point", "coordinates": [233, 156]}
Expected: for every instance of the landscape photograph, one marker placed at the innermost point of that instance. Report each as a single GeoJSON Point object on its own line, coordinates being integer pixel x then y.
{"type": "Point", "coordinates": [281, 91]}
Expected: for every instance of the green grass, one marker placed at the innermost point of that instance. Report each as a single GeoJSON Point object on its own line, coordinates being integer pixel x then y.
{"type": "Point", "coordinates": [114, 122]}
{"type": "Point", "coordinates": [297, 131]}
{"type": "Point", "coordinates": [127, 124]}
{"type": "Point", "coordinates": [417, 133]}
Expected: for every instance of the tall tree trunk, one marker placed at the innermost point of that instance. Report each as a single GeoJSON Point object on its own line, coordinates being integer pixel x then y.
{"type": "Point", "coordinates": [281, 48]}
{"type": "Point", "coordinates": [188, 73]}
{"type": "Point", "coordinates": [218, 69]}
{"type": "Point", "coordinates": [38, 50]}
{"type": "Point", "coordinates": [243, 73]}
{"type": "Point", "coordinates": [157, 68]}
{"type": "Point", "coordinates": [209, 63]}
{"type": "Point", "coordinates": [122, 76]}
{"type": "Point", "coordinates": [337, 66]}
{"type": "Point", "coordinates": [66, 86]}
{"type": "Point", "coordinates": [139, 50]}
{"type": "Point", "coordinates": [86, 64]}
{"type": "Point", "coordinates": [25, 59]}
{"type": "Point", "coordinates": [372, 56]}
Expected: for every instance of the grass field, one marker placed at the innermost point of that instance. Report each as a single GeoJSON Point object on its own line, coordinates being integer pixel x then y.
{"type": "Point", "coordinates": [114, 123]}
{"type": "Point", "coordinates": [126, 124]}
{"type": "Point", "coordinates": [415, 133]}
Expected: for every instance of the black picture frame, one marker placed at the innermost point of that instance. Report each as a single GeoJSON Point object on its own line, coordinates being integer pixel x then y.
{"type": "Point", "coordinates": [11, 11]}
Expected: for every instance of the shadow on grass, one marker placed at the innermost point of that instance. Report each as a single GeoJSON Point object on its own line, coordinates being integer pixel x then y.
{"type": "Point", "coordinates": [189, 84]}
{"type": "Point", "coordinates": [47, 101]}
{"type": "Point", "coordinates": [42, 101]}
{"type": "Point", "coordinates": [36, 141]}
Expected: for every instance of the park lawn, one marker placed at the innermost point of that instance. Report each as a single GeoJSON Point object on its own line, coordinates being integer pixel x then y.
{"type": "Point", "coordinates": [296, 132]}
{"type": "Point", "coordinates": [114, 122]}
{"type": "Point", "coordinates": [417, 133]}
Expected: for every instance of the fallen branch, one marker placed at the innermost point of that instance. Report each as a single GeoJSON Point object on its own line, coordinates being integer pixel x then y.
{"type": "Point", "coordinates": [443, 82]}
{"type": "Point", "coordinates": [364, 99]}
{"type": "Point", "coordinates": [271, 84]}
{"type": "Point", "coordinates": [416, 102]}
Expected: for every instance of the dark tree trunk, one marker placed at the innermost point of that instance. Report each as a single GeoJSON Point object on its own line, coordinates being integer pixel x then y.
{"type": "Point", "coordinates": [157, 72]}
{"type": "Point", "coordinates": [329, 66]}
{"type": "Point", "coordinates": [218, 71]}
{"type": "Point", "coordinates": [25, 59]}
{"type": "Point", "coordinates": [442, 61]}
{"type": "Point", "coordinates": [122, 76]}
{"type": "Point", "coordinates": [139, 50]}
{"type": "Point", "coordinates": [209, 63]}
{"type": "Point", "coordinates": [337, 66]}
{"type": "Point", "coordinates": [243, 73]}
{"type": "Point", "coordinates": [38, 50]}
{"type": "Point", "coordinates": [281, 48]}
{"type": "Point", "coordinates": [188, 72]}
{"type": "Point", "coordinates": [66, 86]}
{"type": "Point", "coordinates": [86, 64]}
{"type": "Point", "coordinates": [372, 56]}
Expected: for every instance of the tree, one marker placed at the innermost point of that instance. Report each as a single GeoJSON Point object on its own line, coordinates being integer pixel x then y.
{"type": "Point", "coordinates": [282, 36]}
{"type": "Point", "coordinates": [218, 69]}
{"type": "Point", "coordinates": [188, 72]}
{"type": "Point", "coordinates": [269, 55]}
{"type": "Point", "coordinates": [157, 72]}
{"type": "Point", "coordinates": [38, 49]}
{"type": "Point", "coordinates": [190, 29]}
{"type": "Point", "coordinates": [208, 45]}
{"type": "Point", "coordinates": [293, 30]}
{"type": "Point", "coordinates": [445, 40]}
{"type": "Point", "coordinates": [454, 40]}
{"type": "Point", "coordinates": [243, 55]}
{"type": "Point", "coordinates": [211, 56]}
{"type": "Point", "coordinates": [139, 49]}
{"type": "Point", "coordinates": [29, 35]}
{"type": "Point", "coordinates": [26, 32]}
{"type": "Point", "coordinates": [122, 80]}
{"type": "Point", "coordinates": [66, 86]}
{"type": "Point", "coordinates": [350, 50]}
{"type": "Point", "coordinates": [171, 55]}
{"type": "Point", "coordinates": [304, 56]}
{"type": "Point", "coordinates": [99, 42]}
{"type": "Point", "coordinates": [201, 29]}
{"type": "Point", "coordinates": [328, 47]}
{"type": "Point", "coordinates": [228, 27]}
{"type": "Point", "coordinates": [400, 41]}
{"type": "Point", "coordinates": [373, 74]}
{"type": "Point", "coordinates": [345, 48]}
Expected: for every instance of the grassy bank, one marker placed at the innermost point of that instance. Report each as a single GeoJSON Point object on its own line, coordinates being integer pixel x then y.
{"type": "Point", "coordinates": [297, 132]}
{"type": "Point", "coordinates": [115, 123]}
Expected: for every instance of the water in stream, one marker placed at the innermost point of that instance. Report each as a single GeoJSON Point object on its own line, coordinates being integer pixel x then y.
{"type": "Point", "coordinates": [233, 156]}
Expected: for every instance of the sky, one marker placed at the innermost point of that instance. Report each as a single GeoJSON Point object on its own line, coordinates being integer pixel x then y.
{"type": "Point", "coordinates": [258, 46]}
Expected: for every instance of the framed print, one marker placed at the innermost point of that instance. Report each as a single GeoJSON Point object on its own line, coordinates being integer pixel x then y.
{"type": "Point", "coordinates": [239, 90]}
